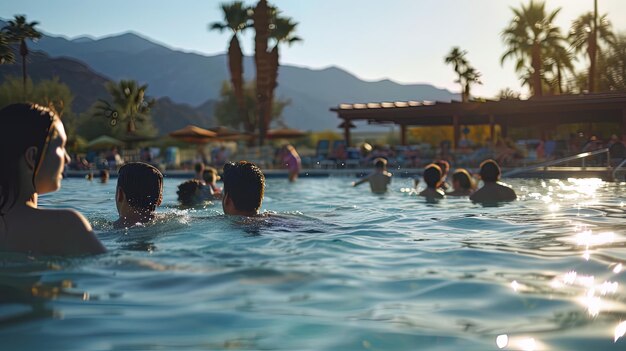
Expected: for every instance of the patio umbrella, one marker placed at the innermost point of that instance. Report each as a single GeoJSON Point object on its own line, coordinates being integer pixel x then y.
{"type": "Point", "coordinates": [193, 134]}
{"type": "Point", "coordinates": [104, 142]}
{"type": "Point", "coordinates": [229, 134]}
{"type": "Point", "coordinates": [285, 133]}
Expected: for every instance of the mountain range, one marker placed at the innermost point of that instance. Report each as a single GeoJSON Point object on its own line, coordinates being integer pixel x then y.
{"type": "Point", "coordinates": [195, 80]}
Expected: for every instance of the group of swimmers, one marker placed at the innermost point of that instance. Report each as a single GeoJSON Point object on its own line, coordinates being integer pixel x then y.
{"type": "Point", "coordinates": [435, 174]}
{"type": "Point", "coordinates": [33, 157]}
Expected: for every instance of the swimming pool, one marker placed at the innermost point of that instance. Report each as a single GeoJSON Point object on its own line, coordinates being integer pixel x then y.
{"type": "Point", "coordinates": [336, 268]}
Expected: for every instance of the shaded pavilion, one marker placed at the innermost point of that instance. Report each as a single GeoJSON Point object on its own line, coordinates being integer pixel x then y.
{"type": "Point", "coordinates": [542, 112]}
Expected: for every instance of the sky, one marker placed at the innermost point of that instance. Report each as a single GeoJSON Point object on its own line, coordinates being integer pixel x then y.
{"type": "Point", "coordinates": [402, 40]}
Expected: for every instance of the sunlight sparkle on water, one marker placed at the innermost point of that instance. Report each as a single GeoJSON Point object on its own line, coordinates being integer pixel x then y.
{"type": "Point", "coordinates": [620, 330]}
{"type": "Point", "coordinates": [527, 344]}
{"type": "Point", "coordinates": [503, 340]}
{"type": "Point", "coordinates": [617, 268]}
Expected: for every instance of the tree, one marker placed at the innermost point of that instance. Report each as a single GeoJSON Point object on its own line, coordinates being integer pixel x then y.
{"type": "Point", "coordinates": [558, 61]}
{"type": "Point", "coordinates": [468, 75]}
{"type": "Point", "coordinates": [129, 105]}
{"type": "Point", "coordinates": [261, 19]}
{"type": "Point", "coordinates": [529, 35]}
{"type": "Point", "coordinates": [457, 59]}
{"type": "Point", "coordinates": [6, 53]}
{"type": "Point", "coordinates": [236, 19]}
{"type": "Point", "coordinates": [282, 31]}
{"type": "Point", "coordinates": [612, 66]}
{"type": "Point", "coordinates": [508, 94]}
{"type": "Point", "coordinates": [226, 108]}
{"type": "Point", "coordinates": [584, 36]}
{"type": "Point", "coordinates": [18, 31]}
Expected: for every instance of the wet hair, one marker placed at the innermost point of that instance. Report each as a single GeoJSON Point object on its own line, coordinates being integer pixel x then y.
{"type": "Point", "coordinates": [380, 162]}
{"type": "Point", "coordinates": [209, 175]}
{"type": "Point", "coordinates": [244, 184]}
{"type": "Point", "coordinates": [489, 171]}
{"type": "Point", "coordinates": [104, 175]}
{"type": "Point", "coordinates": [198, 167]}
{"type": "Point", "coordinates": [432, 175]}
{"type": "Point", "coordinates": [464, 179]}
{"type": "Point", "coordinates": [444, 166]}
{"type": "Point", "coordinates": [187, 192]}
{"type": "Point", "coordinates": [23, 126]}
{"type": "Point", "coordinates": [142, 184]}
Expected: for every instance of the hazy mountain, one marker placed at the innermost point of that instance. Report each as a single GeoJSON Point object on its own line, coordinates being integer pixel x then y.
{"type": "Point", "coordinates": [88, 86]}
{"type": "Point", "coordinates": [193, 78]}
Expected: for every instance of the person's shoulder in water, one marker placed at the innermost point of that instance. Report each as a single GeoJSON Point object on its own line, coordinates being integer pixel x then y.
{"type": "Point", "coordinates": [492, 190]}
{"type": "Point", "coordinates": [379, 179]}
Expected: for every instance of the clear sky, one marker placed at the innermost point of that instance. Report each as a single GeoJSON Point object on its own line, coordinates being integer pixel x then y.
{"type": "Point", "coordinates": [403, 40]}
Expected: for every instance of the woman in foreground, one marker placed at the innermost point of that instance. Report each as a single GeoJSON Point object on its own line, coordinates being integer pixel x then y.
{"type": "Point", "coordinates": [32, 158]}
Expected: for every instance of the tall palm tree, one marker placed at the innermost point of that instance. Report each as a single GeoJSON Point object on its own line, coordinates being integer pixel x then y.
{"type": "Point", "coordinates": [558, 61]}
{"type": "Point", "coordinates": [6, 53]}
{"type": "Point", "coordinates": [457, 59]}
{"type": "Point", "coordinates": [18, 31]}
{"type": "Point", "coordinates": [528, 36]}
{"type": "Point", "coordinates": [583, 37]}
{"type": "Point", "coordinates": [470, 76]}
{"type": "Point", "coordinates": [129, 104]}
{"type": "Point", "coordinates": [236, 19]}
{"type": "Point", "coordinates": [261, 19]}
{"type": "Point", "coordinates": [282, 31]}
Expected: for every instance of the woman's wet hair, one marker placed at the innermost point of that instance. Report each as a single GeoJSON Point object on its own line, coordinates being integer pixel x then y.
{"type": "Point", "coordinates": [444, 166]}
{"type": "Point", "coordinates": [489, 171]}
{"type": "Point", "coordinates": [22, 126]}
{"type": "Point", "coordinates": [142, 184]}
{"type": "Point", "coordinates": [432, 175]}
{"type": "Point", "coordinates": [244, 184]}
{"type": "Point", "coordinates": [380, 163]}
{"type": "Point", "coordinates": [188, 192]}
{"type": "Point", "coordinates": [464, 179]}
{"type": "Point", "coordinates": [210, 175]}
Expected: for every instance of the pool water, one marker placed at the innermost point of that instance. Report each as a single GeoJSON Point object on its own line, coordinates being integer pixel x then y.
{"type": "Point", "coordinates": [333, 268]}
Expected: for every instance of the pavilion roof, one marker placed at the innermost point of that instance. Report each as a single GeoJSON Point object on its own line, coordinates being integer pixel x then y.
{"type": "Point", "coordinates": [560, 109]}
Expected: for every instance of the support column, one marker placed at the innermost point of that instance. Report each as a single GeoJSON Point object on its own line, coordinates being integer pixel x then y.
{"type": "Point", "coordinates": [504, 129]}
{"type": "Point", "coordinates": [403, 134]}
{"type": "Point", "coordinates": [457, 131]}
{"type": "Point", "coordinates": [623, 123]}
{"type": "Point", "coordinates": [346, 132]}
{"type": "Point", "coordinates": [492, 129]}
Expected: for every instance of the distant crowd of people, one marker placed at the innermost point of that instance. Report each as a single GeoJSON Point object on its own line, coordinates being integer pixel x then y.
{"type": "Point", "coordinates": [435, 175]}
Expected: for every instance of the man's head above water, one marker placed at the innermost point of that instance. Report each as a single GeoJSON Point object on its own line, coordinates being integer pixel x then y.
{"type": "Point", "coordinates": [244, 186]}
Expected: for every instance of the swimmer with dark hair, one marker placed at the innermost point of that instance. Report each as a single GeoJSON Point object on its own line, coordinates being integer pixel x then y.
{"type": "Point", "coordinates": [462, 183]}
{"type": "Point", "coordinates": [191, 193]}
{"type": "Point", "coordinates": [33, 156]}
{"type": "Point", "coordinates": [432, 178]}
{"type": "Point", "coordinates": [492, 191]}
{"type": "Point", "coordinates": [379, 179]}
{"type": "Point", "coordinates": [139, 191]}
{"type": "Point", "coordinates": [244, 187]}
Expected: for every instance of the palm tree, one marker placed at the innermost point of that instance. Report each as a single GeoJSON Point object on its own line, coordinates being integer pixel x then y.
{"type": "Point", "coordinates": [528, 37]}
{"type": "Point", "coordinates": [6, 53]}
{"type": "Point", "coordinates": [128, 104]}
{"type": "Point", "coordinates": [18, 31]}
{"type": "Point", "coordinates": [470, 76]}
{"type": "Point", "coordinates": [558, 61]}
{"type": "Point", "coordinates": [236, 19]}
{"type": "Point", "coordinates": [457, 59]}
{"type": "Point", "coordinates": [282, 31]}
{"type": "Point", "coordinates": [583, 37]}
{"type": "Point", "coordinates": [261, 19]}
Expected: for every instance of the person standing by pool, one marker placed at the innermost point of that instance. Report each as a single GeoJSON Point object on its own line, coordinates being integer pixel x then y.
{"type": "Point", "coordinates": [33, 155]}
{"type": "Point", "coordinates": [462, 183]}
{"type": "Point", "coordinates": [492, 191]}
{"type": "Point", "coordinates": [379, 179]}
{"type": "Point", "coordinates": [432, 178]}
{"type": "Point", "coordinates": [244, 186]}
{"type": "Point", "coordinates": [292, 161]}
{"type": "Point", "coordinates": [139, 192]}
